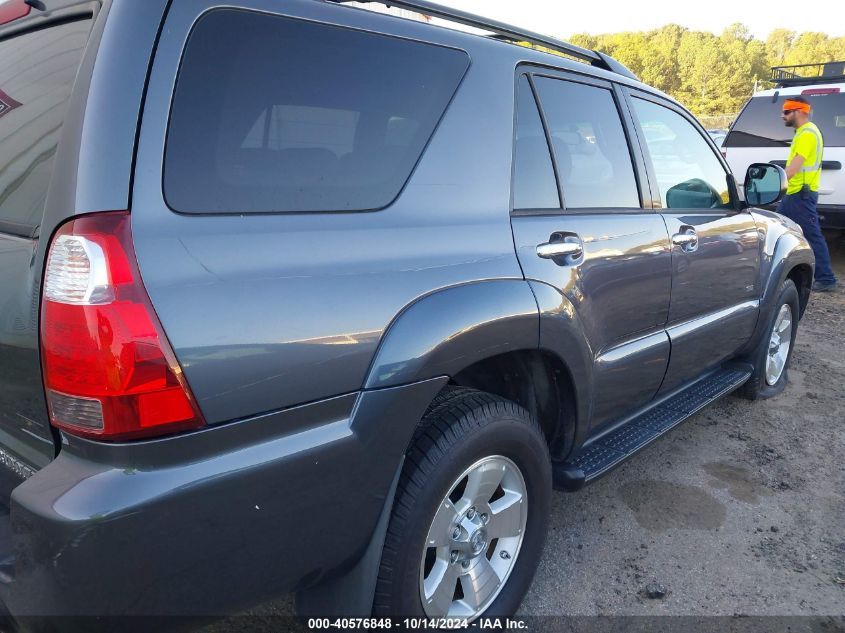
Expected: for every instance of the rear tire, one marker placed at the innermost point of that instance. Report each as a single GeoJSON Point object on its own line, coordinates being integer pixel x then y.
{"type": "Point", "coordinates": [770, 359]}
{"type": "Point", "coordinates": [473, 500]}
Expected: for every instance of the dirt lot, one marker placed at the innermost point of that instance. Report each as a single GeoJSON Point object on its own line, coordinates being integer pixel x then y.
{"type": "Point", "coordinates": [741, 510]}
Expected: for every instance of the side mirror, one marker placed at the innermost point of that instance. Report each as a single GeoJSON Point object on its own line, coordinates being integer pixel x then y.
{"type": "Point", "coordinates": [764, 184]}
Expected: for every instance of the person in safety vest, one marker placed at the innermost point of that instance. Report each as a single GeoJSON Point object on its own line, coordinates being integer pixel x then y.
{"type": "Point", "coordinates": [804, 170]}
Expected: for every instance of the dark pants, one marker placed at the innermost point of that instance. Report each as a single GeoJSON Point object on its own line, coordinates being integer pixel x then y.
{"type": "Point", "coordinates": [803, 212]}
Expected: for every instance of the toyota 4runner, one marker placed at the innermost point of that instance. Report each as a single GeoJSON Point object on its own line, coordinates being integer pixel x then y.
{"type": "Point", "coordinates": [296, 296]}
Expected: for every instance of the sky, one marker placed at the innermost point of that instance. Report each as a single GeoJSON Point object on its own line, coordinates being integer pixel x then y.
{"type": "Point", "coordinates": [561, 18]}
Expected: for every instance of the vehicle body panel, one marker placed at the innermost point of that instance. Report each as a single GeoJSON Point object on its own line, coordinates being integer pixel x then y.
{"type": "Point", "coordinates": [718, 281]}
{"type": "Point", "coordinates": [449, 226]}
{"type": "Point", "coordinates": [262, 471]}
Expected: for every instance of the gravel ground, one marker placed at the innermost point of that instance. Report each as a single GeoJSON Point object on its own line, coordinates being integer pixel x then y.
{"type": "Point", "coordinates": [740, 510]}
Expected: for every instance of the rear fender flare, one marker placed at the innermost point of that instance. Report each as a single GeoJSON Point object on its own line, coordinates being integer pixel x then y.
{"type": "Point", "coordinates": [448, 330]}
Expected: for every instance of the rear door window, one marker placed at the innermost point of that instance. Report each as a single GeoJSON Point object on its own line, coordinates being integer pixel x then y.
{"type": "Point", "coordinates": [591, 152]}
{"type": "Point", "coordinates": [760, 123]}
{"type": "Point", "coordinates": [273, 114]}
{"type": "Point", "coordinates": [37, 71]}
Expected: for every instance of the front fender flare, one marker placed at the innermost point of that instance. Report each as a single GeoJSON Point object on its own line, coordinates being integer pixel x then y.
{"type": "Point", "coordinates": [790, 250]}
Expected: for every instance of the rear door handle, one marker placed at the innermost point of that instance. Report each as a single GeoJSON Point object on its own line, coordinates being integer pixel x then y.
{"type": "Point", "coordinates": [687, 239]}
{"type": "Point", "coordinates": [561, 245]}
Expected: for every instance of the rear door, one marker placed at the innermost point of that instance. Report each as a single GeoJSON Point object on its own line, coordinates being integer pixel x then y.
{"type": "Point", "coordinates": [715, 248]}
{"type": "Point", "coordinates": [38, 68]}
{"type": "Point", "coordinates": [586, 196]}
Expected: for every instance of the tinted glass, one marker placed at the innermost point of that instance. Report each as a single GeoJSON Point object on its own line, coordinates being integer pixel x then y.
{"type": "Point", "coordinates": [689, 175]}
{"type": "Point", "coordinates": [760, 125]}
{"type": "Point", "coordinates": [37, 71]}
{"type": "Point", "coordinates": [534, 185]}
{"type": "Point", "coordinates": [275, 114]}
{"type": "Point", "coordinates": [591, 152]}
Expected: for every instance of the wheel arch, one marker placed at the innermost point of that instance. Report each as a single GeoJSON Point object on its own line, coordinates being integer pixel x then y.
{"type": "Point", "coordinates": [445, 331]}
{"type": "Point", "coordinates": [791, 258]}
{"type": "Point", "coordinates": [537, 380]}
{"type": "Point", "coordinates": [516, 339]}
{"type": "Point", "coordinates": [802, 276]}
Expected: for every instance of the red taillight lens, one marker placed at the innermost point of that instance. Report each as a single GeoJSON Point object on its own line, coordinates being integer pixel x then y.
{"type": "Point", "coordinates": [109, 371]}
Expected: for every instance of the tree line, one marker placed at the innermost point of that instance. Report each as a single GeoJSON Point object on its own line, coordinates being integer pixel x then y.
{"type": "Point", "coordinates": [712, 74]}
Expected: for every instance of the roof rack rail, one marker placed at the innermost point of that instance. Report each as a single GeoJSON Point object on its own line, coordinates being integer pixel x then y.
{"type": "Point", "coordinates": [507, 32]}
{"type": "Point", "coordinates": [801, 74]}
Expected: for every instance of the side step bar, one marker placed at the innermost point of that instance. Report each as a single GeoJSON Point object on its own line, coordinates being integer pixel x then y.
{"type": "Point", "coordinates": [612, 449]}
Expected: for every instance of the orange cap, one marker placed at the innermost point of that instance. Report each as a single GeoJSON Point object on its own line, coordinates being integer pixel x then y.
{"type": "Point", "coordinates": [789, 104]}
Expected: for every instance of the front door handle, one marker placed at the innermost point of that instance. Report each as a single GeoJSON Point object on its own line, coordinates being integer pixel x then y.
{"type": "Point", "coordinates": [561, 245]}
{"type": "Point", "coordinates": [687, 239]}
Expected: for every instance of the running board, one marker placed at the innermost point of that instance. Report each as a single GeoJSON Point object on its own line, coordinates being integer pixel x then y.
{"type": "Point", "coordinates": [612, 449]}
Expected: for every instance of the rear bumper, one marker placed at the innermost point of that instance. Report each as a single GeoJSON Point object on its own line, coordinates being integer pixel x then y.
{"type": "Point", "coordinates": [831, 216]}
{"type": "Point", "coordinates": [207, 523]}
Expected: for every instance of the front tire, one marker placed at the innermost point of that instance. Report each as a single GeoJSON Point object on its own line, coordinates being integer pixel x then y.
{"type": "Point", "coordinates": [773, 354]}
{"type": "Point", "coordinates": [470, 515]}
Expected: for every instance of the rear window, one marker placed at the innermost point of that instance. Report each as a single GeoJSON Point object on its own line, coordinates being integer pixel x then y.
{"type": "Point", "coordinates": [760, 125]}
{"type": "Point", "coordinates": [37, 71]}
{"type": "Point", "coordinates": [273, 114]}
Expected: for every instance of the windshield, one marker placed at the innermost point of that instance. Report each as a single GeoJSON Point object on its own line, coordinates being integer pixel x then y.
{"type": "Point", "coordinates": [760, 125]}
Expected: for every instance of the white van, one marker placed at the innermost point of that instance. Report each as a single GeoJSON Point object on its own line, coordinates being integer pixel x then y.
{"type": "Point", "coordinates": [759, 136]}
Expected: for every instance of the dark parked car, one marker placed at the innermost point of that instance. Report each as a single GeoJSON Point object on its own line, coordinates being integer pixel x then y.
{"type": "Point", "coordinates": [296, 296]}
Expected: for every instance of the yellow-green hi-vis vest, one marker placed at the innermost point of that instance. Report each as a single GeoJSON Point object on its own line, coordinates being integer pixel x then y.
{"type": "Point", "coordinates": [808, 143]}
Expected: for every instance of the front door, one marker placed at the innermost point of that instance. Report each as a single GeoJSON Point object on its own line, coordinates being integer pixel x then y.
{"type": "Point", "coordinates": [579, 226]}
{"type": "Point", "coordinates": [715, 248]}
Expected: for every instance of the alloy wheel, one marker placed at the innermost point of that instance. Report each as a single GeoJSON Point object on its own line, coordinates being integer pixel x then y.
{"type": "Point", "coordinates": [474, 539]}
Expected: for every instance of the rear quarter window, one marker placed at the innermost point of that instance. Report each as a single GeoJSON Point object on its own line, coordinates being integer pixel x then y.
{"type": "Point", "coordinates": [274, 114]}
{"type": "Point", "coordinates": [760, 124]}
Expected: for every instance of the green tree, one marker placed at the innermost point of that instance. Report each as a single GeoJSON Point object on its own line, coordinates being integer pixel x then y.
{"type": "Point", "coordinates": [711, 74]}
{"type": "Point", "coordinates": [778, 44]}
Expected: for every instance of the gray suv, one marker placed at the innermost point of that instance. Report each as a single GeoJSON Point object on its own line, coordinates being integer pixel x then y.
{"type": "Point", "coordinates": [296, 296]}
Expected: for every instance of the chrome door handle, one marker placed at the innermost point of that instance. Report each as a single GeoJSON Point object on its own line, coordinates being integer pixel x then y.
{"type": "Point", "coordinates": [684, 239]}
{"type": "Point", "coordinates": [687, 239]}
{"type": "Point", "coordinates": [550, 250]}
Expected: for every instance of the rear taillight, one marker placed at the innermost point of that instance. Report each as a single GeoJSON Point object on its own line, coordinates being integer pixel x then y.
{"type": "Point", "coordinates": [109, 370]}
